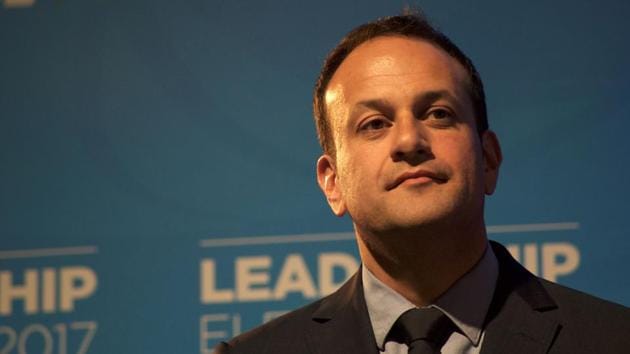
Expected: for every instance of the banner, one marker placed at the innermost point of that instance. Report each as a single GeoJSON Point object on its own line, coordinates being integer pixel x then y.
{"type": "Point", "coordinates": [158, 188]}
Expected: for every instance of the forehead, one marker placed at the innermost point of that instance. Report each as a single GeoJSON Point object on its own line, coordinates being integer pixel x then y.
{"type": "Point", "coordinates": [386, 66]}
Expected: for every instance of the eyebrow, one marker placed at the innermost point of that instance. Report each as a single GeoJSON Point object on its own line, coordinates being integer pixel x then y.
{"type": "Point", "coordinates": [432, 96]}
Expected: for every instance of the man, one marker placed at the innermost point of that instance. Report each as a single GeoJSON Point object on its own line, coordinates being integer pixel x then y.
{"type": "Point", "coordinates": [401, 117]}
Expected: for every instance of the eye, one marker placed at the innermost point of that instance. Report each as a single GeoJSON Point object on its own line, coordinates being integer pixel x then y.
{"type": "Point", "coordinates": [374, 124]}
{"type": "Point", "coordinates": [440, 114]}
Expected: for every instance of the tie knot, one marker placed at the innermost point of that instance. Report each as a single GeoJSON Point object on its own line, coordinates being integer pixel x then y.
{"type": "Point", "coordinates": [428, 324]}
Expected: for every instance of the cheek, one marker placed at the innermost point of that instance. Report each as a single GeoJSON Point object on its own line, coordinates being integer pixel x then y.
{"type": "Point", "coordinates": [351, 175]}
{"type": "Point", "coordinates": [358, 176]}
{"type": "Point", "coordinates": [463, 157]}
{"type": "Point", "coordinates": [345, 173]}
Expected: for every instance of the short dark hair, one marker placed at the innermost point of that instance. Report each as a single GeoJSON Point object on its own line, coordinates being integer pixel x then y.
{"type": "Point", "coordinates": [408, 25]}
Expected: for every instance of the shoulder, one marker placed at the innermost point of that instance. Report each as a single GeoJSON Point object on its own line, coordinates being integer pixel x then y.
{"type": "Point", "coordinates": [588, 324]}
{"type": "Point", "coordinates": [285, 334]}
{"type": "Point", "coordinates": [290, 333]}
{"type": "Point", "coordinates": [569, 320]}
{"type": "Point", "coordinates": [547, 296]}
{"type": "Point", "coordinates": [580, 308]}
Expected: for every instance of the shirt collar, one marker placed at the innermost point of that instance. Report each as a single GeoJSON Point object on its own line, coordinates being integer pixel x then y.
{"type": "Point", "coordinates": [466, 302]}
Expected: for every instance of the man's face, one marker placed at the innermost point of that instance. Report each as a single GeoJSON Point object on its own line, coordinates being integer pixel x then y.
{"type": "Point", "coordinates": [408, 153]}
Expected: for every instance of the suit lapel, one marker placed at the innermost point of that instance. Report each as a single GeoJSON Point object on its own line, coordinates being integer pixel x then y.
{"type": "Point", "coordinates": [341, 324]}
{"type": "Point", "coordinates": [516, 321]}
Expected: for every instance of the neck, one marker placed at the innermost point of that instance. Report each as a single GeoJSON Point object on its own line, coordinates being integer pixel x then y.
{"type": "Point", "coordinates": [421, 266]}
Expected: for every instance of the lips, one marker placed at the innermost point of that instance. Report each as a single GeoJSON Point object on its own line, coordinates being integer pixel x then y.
{"type": "Point", "coordinates": [419, 174]}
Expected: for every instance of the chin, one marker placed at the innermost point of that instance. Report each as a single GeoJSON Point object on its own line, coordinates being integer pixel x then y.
{"type": "Point", "coordinates": [415, 222]}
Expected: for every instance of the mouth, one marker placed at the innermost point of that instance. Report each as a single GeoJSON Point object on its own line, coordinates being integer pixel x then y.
{"type": "Point", "coordinates": [416, 177]}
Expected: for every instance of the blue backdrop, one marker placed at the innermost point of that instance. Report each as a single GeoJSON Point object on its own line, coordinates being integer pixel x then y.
{"type": "Point", "coordinates": [157, 181]}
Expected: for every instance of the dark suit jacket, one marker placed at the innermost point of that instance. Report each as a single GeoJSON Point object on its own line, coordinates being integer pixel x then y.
{"type": "Point", "coordinates": [528, 315]}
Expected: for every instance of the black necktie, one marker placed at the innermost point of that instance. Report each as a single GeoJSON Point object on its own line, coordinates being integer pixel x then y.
{"type": "Point", "coordinates": [423, 330]}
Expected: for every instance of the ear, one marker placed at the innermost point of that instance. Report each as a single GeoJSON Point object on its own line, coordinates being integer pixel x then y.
{"type": "Point", "coordinates": [327, 180]}
{"type": "Point", "coordinates": [492, 158]}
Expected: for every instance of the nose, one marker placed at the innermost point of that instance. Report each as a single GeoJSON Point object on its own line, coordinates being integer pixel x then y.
{"type": "Point", "coordinates": [411, 143]}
